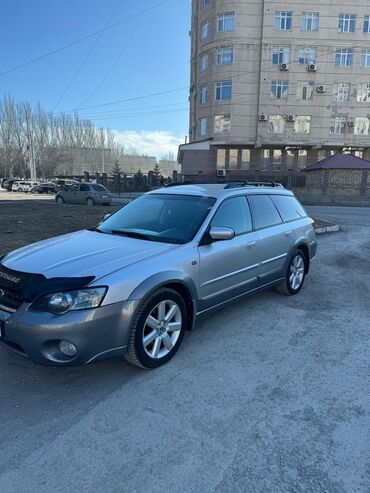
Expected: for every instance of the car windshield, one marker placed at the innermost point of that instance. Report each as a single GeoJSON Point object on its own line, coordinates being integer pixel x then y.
{"type": "Point", "coordinates": [160, 217]}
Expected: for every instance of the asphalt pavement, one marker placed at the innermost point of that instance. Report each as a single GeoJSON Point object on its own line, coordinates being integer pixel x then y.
{"type": "Point", "coordinates": [271, 394]}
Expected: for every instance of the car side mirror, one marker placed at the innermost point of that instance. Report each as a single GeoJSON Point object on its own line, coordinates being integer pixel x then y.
{"type": "Point", "coordinates": [221, 233]}
{"type": "Point", "coordinates": [106, 216]}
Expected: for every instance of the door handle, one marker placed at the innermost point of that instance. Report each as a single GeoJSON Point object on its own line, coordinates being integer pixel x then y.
{"type": "Point", "coordinates": [251, 245]}
{"type": "Point", "coordinates": [288, 233]}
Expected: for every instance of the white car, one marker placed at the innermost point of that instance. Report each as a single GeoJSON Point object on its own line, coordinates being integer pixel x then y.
{"type": "Point", "coordinates": [23, 186]}
{"type": "Point", "coordinates": [30, 185]}
{"type": "Point", "coordinates": [18, 186]}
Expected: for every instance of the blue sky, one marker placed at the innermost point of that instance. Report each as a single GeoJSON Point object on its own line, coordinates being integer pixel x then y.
{"type": "Point", "coordinates": [149, 53]}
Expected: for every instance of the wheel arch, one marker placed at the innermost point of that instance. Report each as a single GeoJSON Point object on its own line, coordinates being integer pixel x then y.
{"type": "Point", "coordinates": [174, 280]}
{"type": "Point", "coordinates": [302, 245]}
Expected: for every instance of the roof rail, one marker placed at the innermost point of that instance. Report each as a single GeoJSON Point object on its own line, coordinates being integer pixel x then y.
{"type": "Point", "coordinates": [239, 184]}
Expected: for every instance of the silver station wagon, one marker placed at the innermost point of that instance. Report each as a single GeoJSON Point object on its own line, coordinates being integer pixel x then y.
{"type": "Point", "coordinates": [132, 286]}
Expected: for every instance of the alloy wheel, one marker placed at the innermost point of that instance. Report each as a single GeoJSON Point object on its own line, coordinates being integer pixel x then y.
{"type": "Point", "coordinates": [162, 329]}
{"type": "Point", "coordinates": [296, 272]}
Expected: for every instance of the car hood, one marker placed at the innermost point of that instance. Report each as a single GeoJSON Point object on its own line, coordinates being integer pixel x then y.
{"type": "Point", "coordinates": [85, 253]}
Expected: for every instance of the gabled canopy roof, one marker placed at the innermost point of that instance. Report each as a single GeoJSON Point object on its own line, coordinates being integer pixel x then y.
{"type": "Point", "coordinates": [340, 161]}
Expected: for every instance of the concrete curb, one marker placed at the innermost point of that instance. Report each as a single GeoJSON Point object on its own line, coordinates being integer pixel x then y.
{"type": "Point", "coordinates": [330, 228]}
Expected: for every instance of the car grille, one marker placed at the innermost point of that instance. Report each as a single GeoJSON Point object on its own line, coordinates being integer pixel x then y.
{"type": "Point", "coordinates": [10, 300]}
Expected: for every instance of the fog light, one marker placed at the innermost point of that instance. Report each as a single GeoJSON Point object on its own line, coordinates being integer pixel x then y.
{"type": "Point", "coordinates": [67, 348]}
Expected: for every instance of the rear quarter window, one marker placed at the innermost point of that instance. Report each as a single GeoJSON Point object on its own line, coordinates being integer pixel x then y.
{"type": "Point", "coordinates": [289, 207]}
{"type": "Point", "coordinates": [264, 211]}
{"type": "Point", "coordinates": [99, 188]}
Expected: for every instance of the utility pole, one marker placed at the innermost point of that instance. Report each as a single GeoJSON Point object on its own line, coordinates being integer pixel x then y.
{"type": "Point", "coordinates": [32, 162]}
{"type": "Point", "coordinates": [102, 160]}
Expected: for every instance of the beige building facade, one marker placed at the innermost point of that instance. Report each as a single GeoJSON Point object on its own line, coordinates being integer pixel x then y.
{"type": "Point", "coordinates": [276, 85]}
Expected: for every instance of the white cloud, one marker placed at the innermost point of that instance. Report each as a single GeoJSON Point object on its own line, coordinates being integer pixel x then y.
{"type": "Point", "coordinates": [150, 142]}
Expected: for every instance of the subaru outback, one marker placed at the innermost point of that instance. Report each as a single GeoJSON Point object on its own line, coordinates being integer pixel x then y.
{"type": "Point", "coordinates": [133, 285]}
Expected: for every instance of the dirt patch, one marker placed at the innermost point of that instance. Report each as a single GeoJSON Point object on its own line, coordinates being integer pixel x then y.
{"type": "Point", "coordinates": [24, 222]}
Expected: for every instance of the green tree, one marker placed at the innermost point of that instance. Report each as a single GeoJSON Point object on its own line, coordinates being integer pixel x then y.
{"type": "Point", "coordinates": [139, 178]}
{"type": "Point", "coordinates": [116, 170]}
{"type": "Point", "coordinates": [157, 173]}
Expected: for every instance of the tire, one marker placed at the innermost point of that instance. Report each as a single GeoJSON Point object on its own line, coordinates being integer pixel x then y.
{"type": "Point", "coordinates": [59, 200]}
{"type": "Point", "coordinates": [90, 202]}
{"type": "Point", "coordinates": [163, 340]}
{"type": "Point", "coordinates": [295, 275]}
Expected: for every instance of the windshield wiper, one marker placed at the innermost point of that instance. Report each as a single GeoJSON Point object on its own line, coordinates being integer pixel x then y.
{"type": "Point", "coordinates": [97, 230]}
{"type": "Point", "coordinates": [131, 234]}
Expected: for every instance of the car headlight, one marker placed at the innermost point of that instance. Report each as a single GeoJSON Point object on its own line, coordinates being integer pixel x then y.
{"type": "Point", "coordinates": [66, 301]}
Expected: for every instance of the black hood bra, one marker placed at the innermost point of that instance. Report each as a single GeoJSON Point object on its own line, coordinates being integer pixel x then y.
{"type": "Point", "coordinates": [32, 286]}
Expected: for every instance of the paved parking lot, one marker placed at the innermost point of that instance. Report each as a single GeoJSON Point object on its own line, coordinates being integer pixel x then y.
{"type": "Point", "coordinates": [271, 394]}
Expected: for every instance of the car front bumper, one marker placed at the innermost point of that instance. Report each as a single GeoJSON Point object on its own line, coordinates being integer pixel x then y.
{"type": "Point", "coordinates": [99, 333]}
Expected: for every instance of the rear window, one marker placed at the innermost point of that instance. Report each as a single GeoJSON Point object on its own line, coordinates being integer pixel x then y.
{"type": "Point", "coordinates": [99, 188]}
{"type": "Point", "coordinates": [264, 212]}
{"type": "Point", "coordinates": [289, 207]}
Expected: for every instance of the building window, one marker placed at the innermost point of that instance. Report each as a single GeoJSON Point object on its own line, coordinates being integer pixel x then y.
{"type": "Point", "coordinates": [339, 125]}
{"type": "Point", "coordinates": [203, 94]}
{"type": "Point", "coordinates": [347, 23]}
{"type": "Point", "coordinates": [365, 58]}
{"type": "Point", "coordinates": [222, 124]}
{"type": "Point", "coordinates": [233, 158]}
{"type": "Point", "coordinates": [302, 158]}
{"type": "Point", "coordinates": [306, 56]}
{"type": "Point", "coordinates": [205, 3]}
{"type": "Point", "coordinates": [310, 21]}
{"type": "Point", "coordinates": [344, 57]}
{"type": "Point", "coordinates": [246, 159]}
{"type": "Point", "coordinates": [276, 124]}
{"type": "Point", "coordinates": [279, 89]}
{"type": "Point", "coordinates": [277, 158]}
{"type": "Point", "coordinates": [204, 30]}
{"type": "Point", "coordinates": [302, 125]}
{"type": "Point", "coordinates": [203, 63]}
{"type": "Point", "coordinates": [363, 92]}
{"type": "Point", "coordinates": [341, 91]}
{"type": "Point", "coordinates": [305, 90]}
{"type": "Point", "coordinates": [226, 22]}
{"type": "Point", "coordinates": [224, 90]}
{"type": "Point", "coordinates": [225, 56]}
{"type": "Point", "coordinates": [221, 158]}
{"type": "Point", "coordinates": [283, 21]}
{"type": "Point", "coordinates": [367, 24]}
{"type": "Point", "coordinates": [362, 126]}
{"type": "Point", "coordinates": [290, 159]}
{"type": "Point", "coordinates": [280, 55]}
{"type": "Point", "coordinates": [265, 159]}
{"type": "Point", "coordinates": [202, 127]}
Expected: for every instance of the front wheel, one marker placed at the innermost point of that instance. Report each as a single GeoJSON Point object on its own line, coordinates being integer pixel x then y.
{"type": "Point", "coordinates": [295, 275]}
{"type": "Point", "coordinates": [158, 329]}
{"type": "Point", "coordinates": [90, 202]}
{"type": "Point", "coordinates": [59, 200]}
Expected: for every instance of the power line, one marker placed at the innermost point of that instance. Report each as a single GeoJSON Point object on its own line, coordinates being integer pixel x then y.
{"type": "Point", "coordinates": [69, 85]}
{"type": "Point", "coordinates": [117, 59]}
{"type": "Point", "coordinates": [78, 41]}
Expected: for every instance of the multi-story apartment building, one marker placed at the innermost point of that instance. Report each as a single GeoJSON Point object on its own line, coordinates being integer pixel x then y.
{"type": "Point", "coordinates": [277, 85]}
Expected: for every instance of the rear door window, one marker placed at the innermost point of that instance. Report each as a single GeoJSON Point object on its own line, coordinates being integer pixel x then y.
{"type": "Point", "coordinates": [289, 207]}
{"type": "Point", "coordinates": [234, 213]}
{"type": "Point", "coordinates": [99, 188]}
{"type": "Point", "coordinates": [264, 211]}
{"type": "Point", "coordinates": [84, 188]}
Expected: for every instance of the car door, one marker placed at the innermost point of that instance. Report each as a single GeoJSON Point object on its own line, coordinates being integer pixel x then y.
{"type": "Point", "coordinates": [84, 193]}
{"type": "Point", "coordinates": [274, 238]}
{"type": "Point", "coordinates": [70, 194]}
{"type": "Point", "coordinates": [228, 269]}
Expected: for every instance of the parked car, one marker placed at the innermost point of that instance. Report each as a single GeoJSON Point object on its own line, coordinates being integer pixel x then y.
{"type": "Point", "coordinates": [63, 184]}
{"type": "Point", "coordinates": [45, 188]}
{"type": "Point", "coordinates": [132, 286]}
{"type": "Point", "coordinates": [84, 193]}
{"type": "Point", "coordinates": [19, 186]}
{"type": "Point", "coordinates": [29, 186]}
{"type": "Point", "coordinates": [7, 183]}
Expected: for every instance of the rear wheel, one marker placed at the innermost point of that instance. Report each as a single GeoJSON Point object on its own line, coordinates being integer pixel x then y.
{"type": "Point", "coordinates": [158, 329]}
{"type": "Point", "coordinates": [295, 275]}
{"type": "Point", "coordinates": [90, 202]}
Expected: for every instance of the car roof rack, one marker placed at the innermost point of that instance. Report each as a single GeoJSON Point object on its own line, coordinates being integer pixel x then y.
{"type": "Point", "coordinates": [229, 185]}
